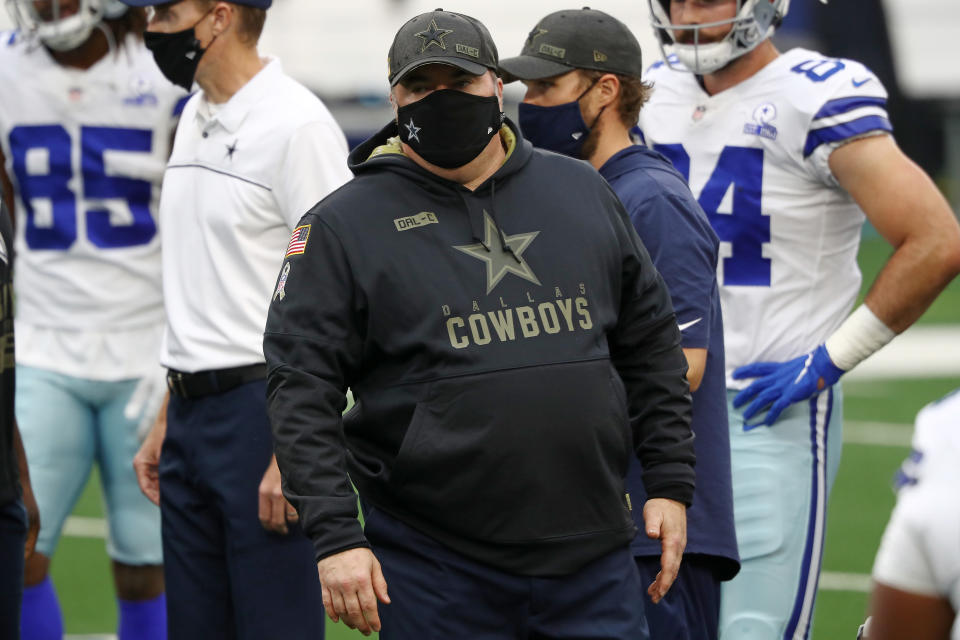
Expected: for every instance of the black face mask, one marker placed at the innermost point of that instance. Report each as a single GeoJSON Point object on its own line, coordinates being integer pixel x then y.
{"type": "Point", "coordinates": [449, 128]}
{"type": "Point", "coordinates": [177, 54]}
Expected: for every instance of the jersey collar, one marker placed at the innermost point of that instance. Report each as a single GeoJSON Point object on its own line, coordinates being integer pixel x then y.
{"type": "Point", "coordinates": [234, 111]}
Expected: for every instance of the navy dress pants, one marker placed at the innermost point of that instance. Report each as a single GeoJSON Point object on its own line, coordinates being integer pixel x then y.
{"type": "Point", "coordinates": [691, 609]}
{"type": "Point", "coordinates": [438, 594]}
{"type": "Point", "coordinates": [226, 576]}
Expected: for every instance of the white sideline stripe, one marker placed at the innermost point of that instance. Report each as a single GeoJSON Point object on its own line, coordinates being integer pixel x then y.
{"type": "Point", "coordinates": [879, 434]}
{"type": "Point", "coordinates": [837, 581]}
{"type": "Point", "coordinates": [80, 527]}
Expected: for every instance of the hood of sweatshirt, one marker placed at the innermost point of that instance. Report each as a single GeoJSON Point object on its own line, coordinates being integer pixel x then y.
{"type": "Point", "coordinates": [383, 152]}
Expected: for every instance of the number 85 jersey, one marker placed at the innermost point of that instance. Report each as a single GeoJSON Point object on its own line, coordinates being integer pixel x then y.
{"type": "Point", "coordinates": [756, 157]}
{"type": "Point", "coordinates": [85, 151]}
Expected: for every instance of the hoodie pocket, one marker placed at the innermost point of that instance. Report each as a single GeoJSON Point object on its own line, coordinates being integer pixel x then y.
{"type": "Point", "coordinates": [520, 455]}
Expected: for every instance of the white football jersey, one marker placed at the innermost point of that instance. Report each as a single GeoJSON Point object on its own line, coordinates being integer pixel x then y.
{"type": "Point", "coordinates": [920, 550]}
{"type": "Point", "coordinates": [86, 151]}
{"type": "Point", "coordinates": [756, 157]}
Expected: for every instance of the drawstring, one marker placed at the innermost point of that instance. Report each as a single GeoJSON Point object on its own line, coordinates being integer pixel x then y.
{"type": "Point", "coordinates": [476, 222]}
{"type": "Point", "coordinates": [493, 214]}
{"type": "Point", "coordinates": [477, 229]}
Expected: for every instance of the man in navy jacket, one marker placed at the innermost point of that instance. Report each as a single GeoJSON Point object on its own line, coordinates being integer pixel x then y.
{"type": "Point", "coordinates": [585, 105]}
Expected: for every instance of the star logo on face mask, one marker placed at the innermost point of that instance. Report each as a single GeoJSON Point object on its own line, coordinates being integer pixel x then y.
{"type": "Point", "coordinates": [501, 257]}
{"type": "Point", "coordinates": [412, 131]}
{"type": "Point", "coordinates": [433, 35]}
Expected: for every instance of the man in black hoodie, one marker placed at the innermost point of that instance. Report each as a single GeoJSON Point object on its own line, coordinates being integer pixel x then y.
{"type": "Point", "coordinates": [507, 353]}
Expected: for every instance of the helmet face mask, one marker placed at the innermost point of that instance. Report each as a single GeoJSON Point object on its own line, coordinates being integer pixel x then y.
{"type": "Point", "coordinates": [61, 25]}
{"type": "Point", "coordinates": [754, 22]}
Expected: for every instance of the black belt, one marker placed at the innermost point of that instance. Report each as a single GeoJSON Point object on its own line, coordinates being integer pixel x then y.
{"type": "Point", "coordinates": [205, 383]}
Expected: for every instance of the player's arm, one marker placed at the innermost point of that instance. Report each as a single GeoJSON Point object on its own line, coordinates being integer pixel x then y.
{"type": "Point", "coordinates": [896, 614]}
{"type": "Point", "coordinates": [908, 210]}
{"type": "Point", "coordinates": [33, 513]}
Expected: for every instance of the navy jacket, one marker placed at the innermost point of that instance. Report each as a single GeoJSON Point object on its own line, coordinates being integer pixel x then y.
{"type": "Point", "coordinates": [684, 249]}
{"type": "Point", "coordinates": [507, 354]}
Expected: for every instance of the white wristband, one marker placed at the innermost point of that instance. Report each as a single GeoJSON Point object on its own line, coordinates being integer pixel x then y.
{"type": "Point", "coordinates": [860, 335]}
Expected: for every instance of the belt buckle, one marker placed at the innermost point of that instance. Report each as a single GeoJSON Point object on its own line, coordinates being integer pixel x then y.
{"type": "Point", "coordinates": [175, 383]}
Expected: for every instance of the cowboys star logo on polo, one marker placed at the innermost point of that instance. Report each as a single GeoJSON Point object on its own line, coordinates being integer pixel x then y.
{"type": "Point", "coordinates": [433, 35]}
{"type": "Point", "coordinates": [412, 131]}
{"type": "Point", "coordinates": [499, 261]}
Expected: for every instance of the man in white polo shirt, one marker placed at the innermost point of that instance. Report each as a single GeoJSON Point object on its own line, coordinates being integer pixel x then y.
{"type": "Point", "coordinates": [254, 151]}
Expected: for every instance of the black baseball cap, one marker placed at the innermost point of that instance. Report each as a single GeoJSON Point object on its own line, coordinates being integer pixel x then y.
{"type": "Point", "coordinates": [575, 39]}
{"type": "Point", "coordinates": [445, 37]}
{"type": "Point", "coordinates": [257, 4]}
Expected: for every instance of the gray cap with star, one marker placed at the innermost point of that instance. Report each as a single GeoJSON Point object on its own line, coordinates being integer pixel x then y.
{"type": "Point", "coordinates": [441, 37]}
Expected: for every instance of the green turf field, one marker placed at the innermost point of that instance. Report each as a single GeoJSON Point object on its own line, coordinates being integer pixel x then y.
{"type": "Point", "coordinates": [859, 507]}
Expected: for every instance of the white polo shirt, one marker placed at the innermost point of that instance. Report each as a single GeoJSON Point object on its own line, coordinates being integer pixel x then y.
{"type": "Point", "coordinates": [241, 175]}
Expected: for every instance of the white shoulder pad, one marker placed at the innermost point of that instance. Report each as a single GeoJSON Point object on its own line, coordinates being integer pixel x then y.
{"type": "Point", "coordinates": [841, 99]}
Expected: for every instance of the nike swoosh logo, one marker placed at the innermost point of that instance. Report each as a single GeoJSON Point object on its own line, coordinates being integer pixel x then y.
{"type": "Point", "coordinates": [687, 325]}
{"type": "Point", "coordinates": [860, 83]}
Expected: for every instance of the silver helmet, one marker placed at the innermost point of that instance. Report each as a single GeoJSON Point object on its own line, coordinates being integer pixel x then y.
{"type": "Point", "coordinates": [755, 21]}
{"type": "Point", "coordinates": [57, 26]}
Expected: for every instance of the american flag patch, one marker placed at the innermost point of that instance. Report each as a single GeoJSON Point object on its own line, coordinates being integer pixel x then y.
{"type": "Point", "coordinates": [298, 241]}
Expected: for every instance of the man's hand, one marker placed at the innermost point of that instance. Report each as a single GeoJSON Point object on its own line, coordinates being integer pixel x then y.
{"type": "Point", "coordinates": [783, 383]}
{"type": "Point", "coordinates": [351, 582]}
{"type": "Point", "coordinates": [666, 520]}
{"type": "Point", "coordinates": [146, 463]}
{"type": "Point", "coordinates": [274, 510]}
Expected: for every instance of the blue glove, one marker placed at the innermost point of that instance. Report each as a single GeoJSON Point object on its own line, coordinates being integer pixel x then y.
{"type": "Point", "coordinates": [783, 383]}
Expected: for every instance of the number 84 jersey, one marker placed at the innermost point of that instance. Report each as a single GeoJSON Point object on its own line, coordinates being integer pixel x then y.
{"type": "Point", "coordinates": [85, 151]}
{"type": "Point", "coordinates": [756, 157]}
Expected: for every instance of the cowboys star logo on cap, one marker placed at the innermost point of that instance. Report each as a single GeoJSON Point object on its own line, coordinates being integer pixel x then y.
{"type": "Point", "coordinates": [433, 35]}
{"type": "Point", "coordinates": [535, 33]}
{"type": "Point", "coordinates": [412, 131]}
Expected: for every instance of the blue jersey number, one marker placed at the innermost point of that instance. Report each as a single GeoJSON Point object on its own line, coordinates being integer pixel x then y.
{"type": "Point", "coordinates": [53, 185]}
{"type": "Point", "coordinates": [745, 227]}
{"type": "Point", "coordinates": [818, 70]}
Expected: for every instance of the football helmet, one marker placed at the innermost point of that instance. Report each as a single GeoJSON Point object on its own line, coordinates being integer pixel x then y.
{"type": "Point", "coordinates": [55, 25]}
{"type": "Point", "coordinates": [754, 22]}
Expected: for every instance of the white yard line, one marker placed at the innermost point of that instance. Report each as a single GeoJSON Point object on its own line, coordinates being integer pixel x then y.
{"type": "Point", "coordinates": [836, 581]}
{"type": "Point", "coordinates": [80, 527]}
{"type": "Point", "coordinates": [879, 434]}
